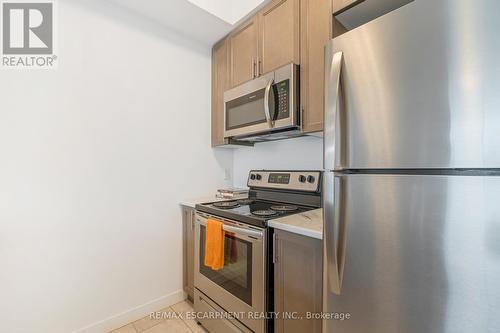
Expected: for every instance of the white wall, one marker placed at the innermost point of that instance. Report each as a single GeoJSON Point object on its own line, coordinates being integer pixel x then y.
{"type": "Point", "coordinates": [94, 158]}
{"type": "Point", "coordinates": [304, 153]}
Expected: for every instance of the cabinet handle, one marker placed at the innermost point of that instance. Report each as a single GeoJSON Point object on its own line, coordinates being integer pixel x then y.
{"type": "Point", "coordinates": [260, 67]}
{"type": "Point", "coordinates": [192, 220]}
{"type": "Point", "coordinates": [254, 74]}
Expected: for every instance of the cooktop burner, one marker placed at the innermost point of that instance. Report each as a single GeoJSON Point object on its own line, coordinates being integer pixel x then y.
{"type": "Point", "coordinates": [265, 212]}
{"type": "Point", "coordinates": [284, 208]}
{"type": "Point", "coordinates": [246, 201]}
{"type": "Point", "coordinates": [226, 204]}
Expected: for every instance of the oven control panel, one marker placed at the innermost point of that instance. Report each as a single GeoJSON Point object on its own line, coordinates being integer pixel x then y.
{"type": "Point", "coordinates": [307, 181]}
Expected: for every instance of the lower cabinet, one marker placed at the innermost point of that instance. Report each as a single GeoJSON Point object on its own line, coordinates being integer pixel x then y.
{"type": "Point", "coordinates": [298, 282]}
{"type": "Point", "coordinates": [188, 250]}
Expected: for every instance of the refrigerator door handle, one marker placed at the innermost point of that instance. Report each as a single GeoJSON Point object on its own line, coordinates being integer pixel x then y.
{"type": "Point", "coordinates": [333, 97]}
{"type": "Point", "coordinates": [334, 231]}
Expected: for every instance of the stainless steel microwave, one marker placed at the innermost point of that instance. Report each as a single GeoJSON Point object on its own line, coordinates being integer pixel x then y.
{"type": "Point", "coordinates": [265, 108]}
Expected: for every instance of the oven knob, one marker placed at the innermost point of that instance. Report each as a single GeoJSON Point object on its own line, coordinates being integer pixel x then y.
{"type": "Point", "coordinates": [252, 176]}
{"type": "Point", "coordinates": [310, 179]}
{"type": "Point", "coordinates": [259, 177]}
{"type": "Point", "coordinates": [302, 178]}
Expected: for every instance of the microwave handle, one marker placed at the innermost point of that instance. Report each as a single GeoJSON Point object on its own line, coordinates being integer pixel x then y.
{"type": "Point", "coordinates": [267, 93]}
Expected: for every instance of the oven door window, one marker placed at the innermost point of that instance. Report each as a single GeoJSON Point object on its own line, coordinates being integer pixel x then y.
{"type": "Point", "coordinates": [236, 275]}
{"type": "Point", "coordinates": [249, 109]}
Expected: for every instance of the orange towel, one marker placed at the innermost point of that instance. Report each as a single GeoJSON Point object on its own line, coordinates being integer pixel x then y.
{"type": "Point", "coordinates": [214, 245]}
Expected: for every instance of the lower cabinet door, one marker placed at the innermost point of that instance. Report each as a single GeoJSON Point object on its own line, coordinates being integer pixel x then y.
{"type": "Point", "coordinates": [188, 250]}
{"type": "Point", "coordinates": [298, 279]}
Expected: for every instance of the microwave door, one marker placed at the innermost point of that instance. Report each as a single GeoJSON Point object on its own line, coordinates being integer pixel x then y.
{"type": "Point", "coordinates": [249, 108]}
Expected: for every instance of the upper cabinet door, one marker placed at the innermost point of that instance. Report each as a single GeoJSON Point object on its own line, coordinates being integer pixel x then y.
{"type": "Point", "coordinates": [220, 78]}
{"type": "Point", "coordinates": [243, 52]}
{"type": "Point", "coordinates": [316, 27]}
{"type": "Point", "coordinates": [279, 35]}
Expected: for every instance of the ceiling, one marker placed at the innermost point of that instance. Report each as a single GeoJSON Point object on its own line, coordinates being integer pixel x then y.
{"type": "Point", "coordinates": [205, 21]}
{"type": "Point", "coordinates": [230, 11]}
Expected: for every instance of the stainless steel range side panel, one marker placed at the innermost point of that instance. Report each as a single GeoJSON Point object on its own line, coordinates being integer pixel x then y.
{"type": "Point", "coordinates": [421, 87]}
{"type": "Point", "coordinates": [422, 254]}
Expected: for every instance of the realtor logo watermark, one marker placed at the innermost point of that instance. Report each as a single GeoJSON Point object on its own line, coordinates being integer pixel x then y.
{"type": "Point", "coordinates": [28, 34]}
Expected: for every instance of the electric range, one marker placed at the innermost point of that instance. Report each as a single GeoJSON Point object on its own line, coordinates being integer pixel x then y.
{"type": "Point", "coordinates": [272, 194]}
{"type": "Point", "coordinates": [245, 283]}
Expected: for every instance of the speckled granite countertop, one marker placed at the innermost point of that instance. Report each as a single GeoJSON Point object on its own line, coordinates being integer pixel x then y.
{"type": "Point", "coordinates": [307, 224]}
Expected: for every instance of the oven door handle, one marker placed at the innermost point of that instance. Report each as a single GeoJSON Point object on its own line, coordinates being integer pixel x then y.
{"type": "Point", "coordinates": [241, 231]}
{"type": "Point", "coordinates": [236, 230]}
{"type": "Point", "coordinates": [267, 93]}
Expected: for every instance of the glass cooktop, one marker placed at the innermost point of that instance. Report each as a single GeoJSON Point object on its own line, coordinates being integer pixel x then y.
{"type": "Point", "coordinates": [251, 211]}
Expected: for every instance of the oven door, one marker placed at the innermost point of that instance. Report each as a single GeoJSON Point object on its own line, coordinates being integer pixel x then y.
{"type": "Point", "coordinates": [239, 286]}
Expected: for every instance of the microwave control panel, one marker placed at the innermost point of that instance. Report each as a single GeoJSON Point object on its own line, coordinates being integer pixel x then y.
{"type": "Point", "coordinates": [283, 95]}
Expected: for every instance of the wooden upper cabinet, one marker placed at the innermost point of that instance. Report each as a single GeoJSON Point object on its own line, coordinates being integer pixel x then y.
{"type": "Point", "coordinates": [220, 78]}
{"type": "Point", "coordinates": [283, 32]}
{"type": "Point", "coordinates": [266, 42]}
{"type": "Point", "coordinates": [279, 35]}
{"type": "Point", "coordinates": [243, 52]}
{"type": "Point", "coordinates": [341, 5]}
{"type": "Point", "coordinates": [316, 27]}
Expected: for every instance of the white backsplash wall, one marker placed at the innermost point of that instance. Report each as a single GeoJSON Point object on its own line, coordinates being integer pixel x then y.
{"type": "Point", "coordinates": [303, 153]}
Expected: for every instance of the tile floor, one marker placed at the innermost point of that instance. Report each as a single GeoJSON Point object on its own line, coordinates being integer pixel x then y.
{"type": "Point", "coordinates": [167, 324]}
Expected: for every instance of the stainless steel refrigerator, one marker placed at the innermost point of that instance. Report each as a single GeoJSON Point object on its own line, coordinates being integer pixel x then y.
{"type": "Point", "coordinates": [412, 172]}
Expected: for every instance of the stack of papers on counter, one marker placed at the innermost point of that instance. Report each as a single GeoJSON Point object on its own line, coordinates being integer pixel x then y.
{"type": "Point", "coordinates": [232, 193]}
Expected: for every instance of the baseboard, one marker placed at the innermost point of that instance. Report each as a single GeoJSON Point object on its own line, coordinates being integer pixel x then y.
{"type": "Point", "coordinates": [133, 314]}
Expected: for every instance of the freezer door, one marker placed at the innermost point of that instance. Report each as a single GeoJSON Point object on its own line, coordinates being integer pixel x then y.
{"type": "Point", "coordinates": [420, 89]}
{"type": "Point", "coordinates": [421, 254]}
